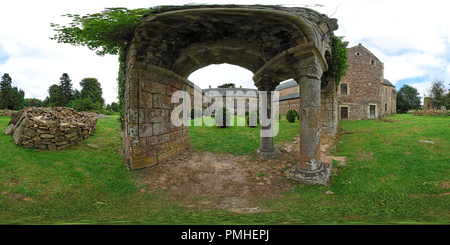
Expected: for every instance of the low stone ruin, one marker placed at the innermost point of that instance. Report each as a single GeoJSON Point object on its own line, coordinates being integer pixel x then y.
{"type": "Point", "coordinates": [50, 128]}
{"type": "Point", "coordinates": [430, 112]}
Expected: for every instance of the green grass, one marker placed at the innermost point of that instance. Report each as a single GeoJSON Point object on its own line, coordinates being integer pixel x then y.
{"type": "Point", "coordinates": [236, 140]}
{"type": "Point", "coordinates": [391, 177]}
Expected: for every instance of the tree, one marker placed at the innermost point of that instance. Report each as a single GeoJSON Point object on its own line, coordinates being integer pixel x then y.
{"type": "Point", "coordinates": [407, 99]}
{"type": "Point", "coordinates": [107, 32]}
{"type": "Point", "coordinates": [65, 84]}
{"type": "Point", "coordinates": [14, 99]}
{"type": "Point", "coordinates": [447, 100]}
{"type": "Point", "coordinates": [10, 97]}
{"type": "Point", "coordinates": [5, 87]}
{"type": "Point", "coordinates": [85, 104]}
{"type": "Point", "coordinates": [92, 89]}
{"type": "Point", "coordinates": [55, 96]}
{"type": "Point", "coordinates": [32, 102]}
{"type": "Point", "coordinates": [437, 93]}
{"type": "Point", "coordinates": [115, 107]}
{"type": "Point", "coordinates": [76, 94]}
{"type": "Point", "coordinates": [227, 85]}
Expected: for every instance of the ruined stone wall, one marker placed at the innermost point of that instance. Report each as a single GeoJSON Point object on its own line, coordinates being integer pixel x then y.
{"type": "Point", "coordinates": [329, 112]}
{"type": "Point", "coordinates": [428, 103]}
{"type": "Point", "coordinates": [364, 82]}
{"type": "Point", "coordinates": [50, 128]}
{"type": "Point", "coordinates": [152, 138]}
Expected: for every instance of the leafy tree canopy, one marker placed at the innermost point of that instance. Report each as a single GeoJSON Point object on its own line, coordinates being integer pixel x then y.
{"type": "Point", "coordinates": [106, 32]}
{"type": "Point", "coordinates": [437, 93]}
{"type": "Point", "coordinates": [407, 99]}
{"type": "Point", "coordinates": [227, 85]}
{"type": "Point", "coordinates": [92, 89]}
{"type": "Point", "coordinates": [65, 84]}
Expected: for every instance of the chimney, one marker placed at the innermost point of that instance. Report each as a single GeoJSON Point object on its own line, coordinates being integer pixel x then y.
{"type": "Point", "coordinates": [240, 86]}
{"type": "Point", "coordinates": [209, 86]}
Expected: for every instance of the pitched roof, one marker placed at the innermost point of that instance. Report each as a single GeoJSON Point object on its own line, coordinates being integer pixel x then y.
{"type": "Point", "coordinates": [386, 82]}
{"type": "Point", "coordinates": [362, 48]}
{"type": "Point", "coordinates": [287, 84]}
{"type": "Point", "coordinates": [288, 97]}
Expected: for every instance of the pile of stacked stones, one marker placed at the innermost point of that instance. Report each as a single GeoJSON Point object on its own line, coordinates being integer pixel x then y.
{"type": "Point", "coordinates": [50, 128]}
{"type": "Point", "coordinates": [431, 112]}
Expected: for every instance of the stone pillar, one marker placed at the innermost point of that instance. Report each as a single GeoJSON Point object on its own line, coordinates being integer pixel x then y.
{"type": "Point", "coordinates": [267, 150]}
{"type": "Point", "coordinates": [310, 169]}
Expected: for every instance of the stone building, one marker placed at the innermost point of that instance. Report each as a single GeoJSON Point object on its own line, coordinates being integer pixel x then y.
{"type": "Point", "coordinates": [240, 99]}
{"type": "Point", "coordinates": [362, 94]}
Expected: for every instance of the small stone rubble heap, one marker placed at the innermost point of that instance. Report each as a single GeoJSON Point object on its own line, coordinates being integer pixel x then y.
{"type": "Point", "coordinates": [50, 128]}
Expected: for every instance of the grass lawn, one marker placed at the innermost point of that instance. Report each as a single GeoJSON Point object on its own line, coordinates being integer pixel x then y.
{"type": "Point", "coordinates": [391, 177]}
{"type": "Point", "coordinates": [236, 140]}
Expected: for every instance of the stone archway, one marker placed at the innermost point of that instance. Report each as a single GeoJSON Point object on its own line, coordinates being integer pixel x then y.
{"type": "Point", "coordinates": [275, 43]}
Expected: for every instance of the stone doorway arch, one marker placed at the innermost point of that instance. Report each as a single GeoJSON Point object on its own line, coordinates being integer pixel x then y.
{"type": "Point", "coordinates": [275, 43]}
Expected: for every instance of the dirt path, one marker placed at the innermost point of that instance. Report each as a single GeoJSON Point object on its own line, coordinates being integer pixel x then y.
{"type": "Point", "coordinates": [234, 183]}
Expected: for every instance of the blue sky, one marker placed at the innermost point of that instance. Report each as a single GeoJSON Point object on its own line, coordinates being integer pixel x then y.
{"type": "Point", "coordinates": [411, 38]}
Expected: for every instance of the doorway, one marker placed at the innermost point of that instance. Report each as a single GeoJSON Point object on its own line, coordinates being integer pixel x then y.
{"type": "Point", "coordinates": [372, 111]}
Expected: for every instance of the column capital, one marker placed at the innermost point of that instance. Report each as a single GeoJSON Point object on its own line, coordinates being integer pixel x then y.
{"type": "Point", "coordinates": [266, 83]}
{"type": "Point", "coordinates": [308, 67]}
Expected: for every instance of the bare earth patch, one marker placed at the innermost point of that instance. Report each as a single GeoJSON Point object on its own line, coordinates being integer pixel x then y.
{"type": "Point", "coordinates": [208, 181]}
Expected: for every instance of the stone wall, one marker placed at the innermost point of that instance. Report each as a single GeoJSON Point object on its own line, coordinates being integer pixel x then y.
{"type": "Point", "coordinates": [50, 128]}
{"type": "Point", "coordinates": [6, 113]}
{"type": "Point", "coordinates": [329, 112]}
{"type": "Point", "coordinates": [149, 135]}
{"type": "Point", "coordinates": [365, 87]}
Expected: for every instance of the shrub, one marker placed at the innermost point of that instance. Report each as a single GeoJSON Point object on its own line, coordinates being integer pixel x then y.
{"type": "Point", "coordinates": [253, 118]}
{"type": "Point", "coordinates": [222, 117]}
{"type": "Point", "coordinates": [85, 104]}
{"type": "Point", "coordinates": [291, 115]}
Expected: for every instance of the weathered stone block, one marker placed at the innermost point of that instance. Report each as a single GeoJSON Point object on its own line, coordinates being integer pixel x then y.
{"type": "Point", "coordinates": [68, 136]}
{"type": "Point", "coordinates": [145, 130]}
{"type": "Point", "coordinates": [145, 99]}
{"type": "Point", "coordinates": [29, 132]}
{"type": "Point", "coordinates": [162, 101]}
{"type": "Point", "coordinates": [158, 88]}
{"type": "Point", "coordinates": [144, 163]}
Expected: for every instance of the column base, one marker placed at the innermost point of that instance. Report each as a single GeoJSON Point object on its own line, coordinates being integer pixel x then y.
{"type": "Point", "coordinates": [315, 177]}
{"type": "Point", "coordinates": [268, 154]}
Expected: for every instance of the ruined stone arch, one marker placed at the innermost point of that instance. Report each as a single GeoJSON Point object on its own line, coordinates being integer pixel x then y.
{"type": "Point", "coordinates": [274, 43]}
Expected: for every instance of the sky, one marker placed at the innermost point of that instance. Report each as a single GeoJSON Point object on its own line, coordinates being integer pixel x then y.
{"type": "Point", "coordinates": [411, 38]}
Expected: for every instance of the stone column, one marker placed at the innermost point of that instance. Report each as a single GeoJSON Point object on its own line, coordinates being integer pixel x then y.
{"type": "Point", "coordinates": [310, 170]}
{"type": "Point", "coordinates": [267, 150]}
